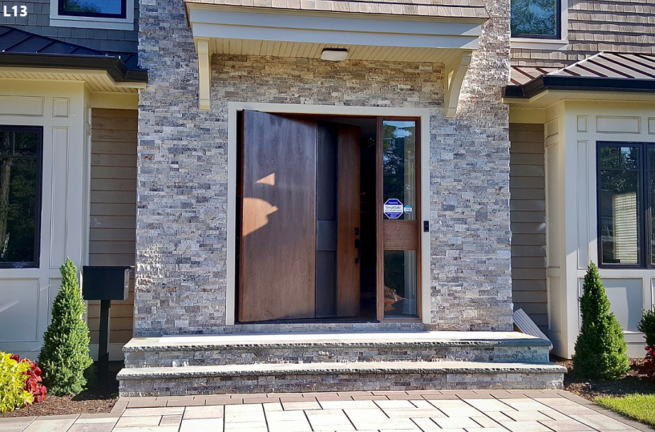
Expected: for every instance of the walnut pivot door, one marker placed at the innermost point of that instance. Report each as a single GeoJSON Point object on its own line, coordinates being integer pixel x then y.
{"type": "Point", "coordinates": [300, 216]}
{"type": "Point", "coordinates": [278, 218]}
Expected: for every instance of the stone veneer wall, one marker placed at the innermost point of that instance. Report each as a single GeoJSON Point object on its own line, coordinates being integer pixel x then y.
{"type": "Point", "coordinates": [182, 179]}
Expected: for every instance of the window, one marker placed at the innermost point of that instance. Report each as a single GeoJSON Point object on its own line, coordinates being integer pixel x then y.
{"type": "Point", "coordinates": [20, 195]}
{"type": "Point", "coordinates": [536, 19]}
{"type": "Point", "coordinates": [93, 8]}
{"type": "Point", "coordinates": [626, 193]}
{"type": "Point", "coordinates": [94, 14]}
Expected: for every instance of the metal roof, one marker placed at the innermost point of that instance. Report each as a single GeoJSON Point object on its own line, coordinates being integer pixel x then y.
{"type": "Point", "coordinates": [602, 71]}
{"type": "Point", "coordinates": [21, 48]}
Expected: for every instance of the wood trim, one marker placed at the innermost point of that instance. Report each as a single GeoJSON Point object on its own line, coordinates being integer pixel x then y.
{"type": "Point", "coordinates": [400, 235]}
{"type": "Point", "coordinates": [379, 235]}
{"type": "Point", "coordinates": [348, 220]}
{"type": "Point", "coordinates": [419, 221]}
{"type": "Point", "coordinates": [403, 238]}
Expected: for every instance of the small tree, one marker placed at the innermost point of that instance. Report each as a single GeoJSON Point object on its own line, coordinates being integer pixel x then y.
{"type": "Point", "coordinates": [647, 326]}
{"type": "Point", "coordinates": [600, 351]}
{"type": "Point", "coordinates": [65, 353]}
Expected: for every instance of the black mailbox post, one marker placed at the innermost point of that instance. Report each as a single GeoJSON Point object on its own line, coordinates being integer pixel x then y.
{"type": "Point", "coordinates": [105, 283]}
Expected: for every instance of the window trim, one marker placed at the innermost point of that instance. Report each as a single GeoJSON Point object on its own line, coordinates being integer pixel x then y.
{"type": "Point", "coordinates": [39, 197]}
{"type": "Point", "coordinates": [548, 43]}
{"type": "Point", "coordinates": [93, 21]}
{"type": "Point", "coordinates": [121, 15]}
{"type": "Point", "coordinates": [558, 31]}
{"type": "Point", "coordinates": [644, 222]}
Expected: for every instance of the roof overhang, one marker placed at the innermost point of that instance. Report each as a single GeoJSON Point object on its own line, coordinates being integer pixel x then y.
{"type": "Point", "coordinates": [95, 80]}
{"type": "Point", "coordinates": [547, 90]}
{"type": "Point", "coordinates": [219, 29]}
{"type": "Point", "coordinates": [103, 73]}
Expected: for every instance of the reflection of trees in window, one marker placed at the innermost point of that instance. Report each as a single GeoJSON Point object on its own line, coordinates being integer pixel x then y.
{"type": "Point", "coordinates": [19, 196]}
{"type": "Point", "coordinates": [398, 155]}
{"type": "Point", "coordinates": [75, 6]}
{"type": "Point", "coordinates": [535, 17]}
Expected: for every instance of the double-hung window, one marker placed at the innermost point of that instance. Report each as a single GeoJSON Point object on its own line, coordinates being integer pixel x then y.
{"type": "Point", "coordinates": [20, 195]}
{"type": "Point", "coordinates": [626, 193]}
{"type": "Point", "coordinates": [536, 19]}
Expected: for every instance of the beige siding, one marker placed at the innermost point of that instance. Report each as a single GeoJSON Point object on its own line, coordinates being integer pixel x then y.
{"type": "Point", "coordinates": [113, 209]}
{"type": "Point", "coordinates": [528, 216]}
{"type": "Point", "coordinates": [622, 26]}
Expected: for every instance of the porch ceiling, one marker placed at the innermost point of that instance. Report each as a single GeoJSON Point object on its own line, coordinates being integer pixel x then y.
{"type": "Point", "coordinates": [264, 31]}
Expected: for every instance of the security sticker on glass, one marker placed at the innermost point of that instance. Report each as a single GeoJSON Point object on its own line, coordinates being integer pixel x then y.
{"type": "Point", "coordinates": [393, 208]}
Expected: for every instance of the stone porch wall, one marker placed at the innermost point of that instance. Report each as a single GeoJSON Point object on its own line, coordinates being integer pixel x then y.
{"type": "Point", "coordinates": [182, 179]}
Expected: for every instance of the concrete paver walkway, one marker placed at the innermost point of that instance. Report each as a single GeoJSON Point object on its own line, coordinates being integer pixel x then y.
{"type": "Point", "coordinates": [427, 411]}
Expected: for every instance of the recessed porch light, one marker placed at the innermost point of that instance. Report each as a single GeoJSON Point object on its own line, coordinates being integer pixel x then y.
{"type": "Point", "coordinates": [334, 54]}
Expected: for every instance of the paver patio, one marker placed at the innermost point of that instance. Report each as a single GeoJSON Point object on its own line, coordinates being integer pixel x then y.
{"type": "Point", "coordinates": [444, 411]}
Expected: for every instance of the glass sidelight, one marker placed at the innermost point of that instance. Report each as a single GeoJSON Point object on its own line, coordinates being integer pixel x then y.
{"type": "Point", "coordinates": [400, 229]}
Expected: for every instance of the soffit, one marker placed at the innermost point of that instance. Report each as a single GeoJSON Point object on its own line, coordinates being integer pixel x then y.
{"type": "Point", "coordinates": [549, 98]}
{"type": "Point", "coordinates": [96, 81]}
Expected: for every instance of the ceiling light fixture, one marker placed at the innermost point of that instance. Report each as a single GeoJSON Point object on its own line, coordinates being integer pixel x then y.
{"type": "Point", "coordinates": [334, 54]}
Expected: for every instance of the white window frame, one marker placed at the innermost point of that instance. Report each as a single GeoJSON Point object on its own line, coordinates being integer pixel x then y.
{"type": "Point", "coordinates": [126, 23]}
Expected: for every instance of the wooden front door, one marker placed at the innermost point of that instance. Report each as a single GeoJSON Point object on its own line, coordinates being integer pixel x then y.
{"type": "Point", "coordinates": [278, 218]}
{"type": "Point", "coordinates": [299, 219]}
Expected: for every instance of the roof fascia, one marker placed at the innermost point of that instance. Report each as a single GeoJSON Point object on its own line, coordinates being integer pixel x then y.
{"type": "Point", "coordinates": [559, 82]}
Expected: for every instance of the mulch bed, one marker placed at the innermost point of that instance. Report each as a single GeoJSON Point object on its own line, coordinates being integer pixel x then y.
{"type": "Point", "coordinates": [631, 383]}
{"type": "Point", "coordinates": [99, 398]}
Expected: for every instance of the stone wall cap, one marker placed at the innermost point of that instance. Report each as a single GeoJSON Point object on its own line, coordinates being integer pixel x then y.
{"type": "Point", "coordinates": [333, 340]}
{"type": "Point", "coordinates": [338, 368]}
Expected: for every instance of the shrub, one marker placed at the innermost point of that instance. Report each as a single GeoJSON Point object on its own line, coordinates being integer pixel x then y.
{"type": "Point", "coordinates": [600, 350]}
{"type": "Point", "coordinates": [649, 365]}
{"type": "Point", "coordinates": [12, 382]}
{"type": "Point", "coordinates": [647, 326]}
{"type": "Point", "coordinates": [65, 353]}
{"type": "Point", "coordinates": [33, 380]}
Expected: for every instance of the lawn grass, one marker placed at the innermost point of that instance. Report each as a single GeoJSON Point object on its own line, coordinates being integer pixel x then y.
{"type": "Point", "coordinates": [635, 406]}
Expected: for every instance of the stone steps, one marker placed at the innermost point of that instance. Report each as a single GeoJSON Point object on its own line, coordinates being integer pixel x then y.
{"type": "Point", "coordinates": [359, 376]}
{"type": "Point", "coordinates": [335, 348]}
{"type": "Point", "coordinates": [310, 362]}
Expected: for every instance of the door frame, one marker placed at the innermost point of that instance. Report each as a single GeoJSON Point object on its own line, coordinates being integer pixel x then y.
{"type": "Point", "coordinates": [232, 181]}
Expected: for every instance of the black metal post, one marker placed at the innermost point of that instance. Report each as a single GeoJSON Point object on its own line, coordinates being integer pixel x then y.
{"type": "Point", "coordinates": [103, 351]}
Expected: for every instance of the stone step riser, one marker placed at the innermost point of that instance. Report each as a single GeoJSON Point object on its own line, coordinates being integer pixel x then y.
{"type": "Point", "coordinates": [338, 382]}
{"type": "Point", "coordinates": [252, 355]}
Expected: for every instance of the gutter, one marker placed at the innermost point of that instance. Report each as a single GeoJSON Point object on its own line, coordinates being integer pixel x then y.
{"type": "Point", "coordinates": [559, 82]}
{"type": "Point", "coordinates": [113, 65]}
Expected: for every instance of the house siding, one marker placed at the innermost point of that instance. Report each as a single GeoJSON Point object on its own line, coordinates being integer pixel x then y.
{"type": "Point", "coordinates": [38, 21]}
{"type": "Point", "coordinates": [622, 26]}
{"type": "Point", "coordinates": [528, 215]}
{"type": "Point", "coordinates": [112, 236]}
{"type": "Point", "coordinates": [182, 181]}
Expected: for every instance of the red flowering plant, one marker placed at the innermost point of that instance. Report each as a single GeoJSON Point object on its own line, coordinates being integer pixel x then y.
{"type": "Point", "coordinates": [33, 380]}
{"type": "Point", "coordinates": [649, 366]}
